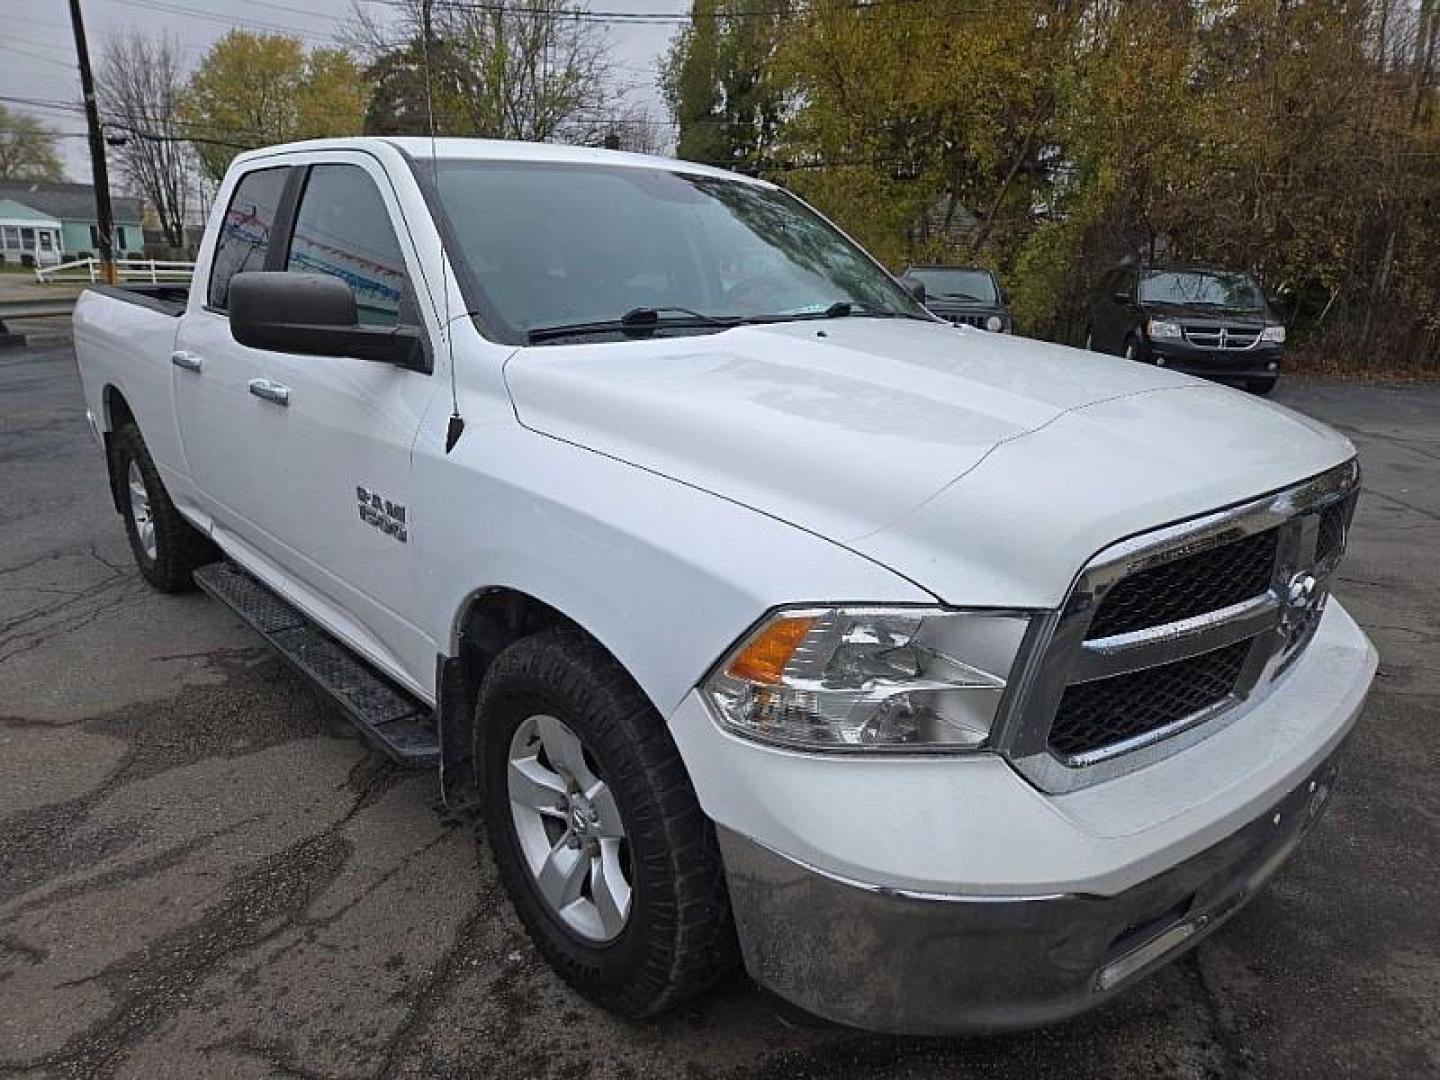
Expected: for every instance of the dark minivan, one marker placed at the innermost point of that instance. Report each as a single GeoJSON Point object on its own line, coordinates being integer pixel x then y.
{"type": "Point", "coordinates": [1198, 319]}
{"type": "Point", "coordinates": [963, 295]}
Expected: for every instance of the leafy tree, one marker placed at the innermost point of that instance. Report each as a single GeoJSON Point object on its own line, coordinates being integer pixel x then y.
{"type": "Point", "coordinates": [1047, 138]}
{"type": "Point", "coordinates": [27, 148]}
{"type": "Point", "coordinates": [722, 85]}
{"type": "Point", "coordinates": [255, 89]}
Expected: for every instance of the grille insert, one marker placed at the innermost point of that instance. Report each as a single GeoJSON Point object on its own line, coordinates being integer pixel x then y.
{"type": "Point", "coordinates": [1221, 337]}
{"type": "Point", "coordinates": [1095, 715]}
{"type": "Point", "coordinates": [977, 321]}
{"type": "Point", "coordinates": [1188, 586]}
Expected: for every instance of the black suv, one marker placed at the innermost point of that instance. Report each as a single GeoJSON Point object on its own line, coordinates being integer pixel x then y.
{"type": "Point", "coordinates": [1198, 319]}
{"type": "Point", "coordinates": [963, 295]}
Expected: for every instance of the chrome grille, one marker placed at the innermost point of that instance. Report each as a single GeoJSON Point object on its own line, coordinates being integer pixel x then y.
{"type": "Point", "coordinates": [1164, 636]}
{"type": "Point", "coordinates": [1221, 337]}
{"type": "Point", "coordinates": [1188, 586]}
{"type": "Point", "coordinates": [1109, 711]}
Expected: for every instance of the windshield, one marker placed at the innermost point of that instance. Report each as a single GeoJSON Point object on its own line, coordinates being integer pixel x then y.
{"type": "Point", "coordinates": [1200, 287]}
{"type": "Point", "coordinates": [553, 245]}
{"type": "Point", "coordinates": [955, 284]}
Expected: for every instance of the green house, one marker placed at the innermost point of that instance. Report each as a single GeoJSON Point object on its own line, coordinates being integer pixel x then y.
{"type": "Point", "coordinates": [36, 210]}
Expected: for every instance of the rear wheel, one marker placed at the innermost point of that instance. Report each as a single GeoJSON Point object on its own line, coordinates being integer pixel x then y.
{"type": "Point", "coordinates": [1261, 386]}
{"type": "Point", "coordinates": [595, 828]}
{"type": "Point", "coordinates": [1132, 349]}
{"type": "Point", "coordinates": [166, 546]}
{"type": "Point", "coordinates": [1089, 339]}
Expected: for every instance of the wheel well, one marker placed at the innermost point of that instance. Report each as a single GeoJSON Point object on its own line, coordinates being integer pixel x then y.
{"type": "Point", "coordinates": [117, 409]}
{"type": "Point", "coordinates": [494, 620]}
{"type": "Point", "coordinates": [117, 414]}
{"type": "Point", "coordinates": [497, 618]}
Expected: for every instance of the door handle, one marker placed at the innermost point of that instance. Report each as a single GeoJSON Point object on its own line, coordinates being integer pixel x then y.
{"type": "Point", "coordinates": [270, 391]}
{"type": "Point", "coordinates": [187, 360]}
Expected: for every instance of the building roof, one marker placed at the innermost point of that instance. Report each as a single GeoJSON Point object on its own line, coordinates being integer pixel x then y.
{"type": "Point", "coordinates": [68, 202]}
{"type": "Point", "coordinates": [14, 213]}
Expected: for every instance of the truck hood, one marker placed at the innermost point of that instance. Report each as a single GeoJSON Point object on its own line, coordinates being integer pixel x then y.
{"type": "Point", "coordinates": [861, 430]}
{"type": "Point", "coordinates": [840, 426]}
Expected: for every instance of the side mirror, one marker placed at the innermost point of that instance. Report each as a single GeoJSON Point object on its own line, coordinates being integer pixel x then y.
{"type": "Point", "coordinates": [314, 315]}
{"type": "Point", "coordinates": [915, 288]}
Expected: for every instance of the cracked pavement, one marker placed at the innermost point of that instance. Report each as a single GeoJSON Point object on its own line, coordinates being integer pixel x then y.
{"type": "Point", "coordinates": [203, 871]}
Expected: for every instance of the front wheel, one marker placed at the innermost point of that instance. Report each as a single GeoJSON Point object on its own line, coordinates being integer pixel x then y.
{"type": "Point", "coordinates": [595, 828]}
{"type": "Point", "coordinates": [1132, 349]}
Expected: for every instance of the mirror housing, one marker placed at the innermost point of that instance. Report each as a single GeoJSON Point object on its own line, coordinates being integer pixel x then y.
{"type": "Point", "coordinates": [915, 288]}
{"type": "Point", "coordinates": [314, 315]}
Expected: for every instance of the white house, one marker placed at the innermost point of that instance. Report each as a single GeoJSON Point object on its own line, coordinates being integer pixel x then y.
{"type": "Point", "coordinates": [24, 231]}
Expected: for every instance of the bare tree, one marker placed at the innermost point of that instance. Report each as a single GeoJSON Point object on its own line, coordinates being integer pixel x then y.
{"type": "Point", "coordinates": [511, 69]}
{"type": "Point", "coordinates": [140, 87]}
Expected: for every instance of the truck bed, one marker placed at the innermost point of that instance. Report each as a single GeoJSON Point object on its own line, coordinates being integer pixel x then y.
{"type": "Point", "coordinates": [168, 299]}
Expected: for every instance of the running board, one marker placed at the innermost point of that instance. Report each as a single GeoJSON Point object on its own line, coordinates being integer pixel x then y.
{"type": "Point", "coordinates": [397, 723]}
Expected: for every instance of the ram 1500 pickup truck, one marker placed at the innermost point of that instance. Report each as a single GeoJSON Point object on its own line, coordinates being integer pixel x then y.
{"type": "Point", "coordinates": [951, 681]}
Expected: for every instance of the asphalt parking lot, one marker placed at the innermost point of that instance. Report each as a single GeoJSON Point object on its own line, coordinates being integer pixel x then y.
{"type": "Point", "coordinates": [203, 871]}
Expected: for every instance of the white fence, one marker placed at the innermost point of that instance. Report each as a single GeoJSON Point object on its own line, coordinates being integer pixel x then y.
{"type": "Point", "coordinates": [154, 271]}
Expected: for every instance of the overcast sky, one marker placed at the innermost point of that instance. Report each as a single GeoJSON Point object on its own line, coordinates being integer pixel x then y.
{"type": "Point", "coordinates": [37, 53]}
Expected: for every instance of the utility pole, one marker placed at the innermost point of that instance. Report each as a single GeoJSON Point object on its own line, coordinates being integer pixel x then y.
{"type": "Point", "coordinates": [101, 176]}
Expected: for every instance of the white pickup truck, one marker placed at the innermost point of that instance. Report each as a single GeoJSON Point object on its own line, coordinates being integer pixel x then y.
{"type": "Point", "coordinates": [952, 680]}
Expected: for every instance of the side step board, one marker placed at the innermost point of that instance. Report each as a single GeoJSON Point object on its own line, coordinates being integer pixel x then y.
{"type": "Point", "coordinates": [397, 723]}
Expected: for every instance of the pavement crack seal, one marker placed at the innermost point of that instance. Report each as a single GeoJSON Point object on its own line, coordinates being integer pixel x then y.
{"type": "Point", "coordinates": [1236, 1058]}
{"type": "Point", "coordinates": [158, 981]}
{"type": "Point", "coordinates": [433, 993]}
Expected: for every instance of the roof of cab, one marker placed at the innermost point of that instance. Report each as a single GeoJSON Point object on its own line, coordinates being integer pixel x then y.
{"type": "Point", "coordinates": [497, 150]}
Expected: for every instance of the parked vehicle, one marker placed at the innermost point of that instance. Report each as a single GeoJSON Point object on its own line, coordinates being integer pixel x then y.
{"type": "Point", "coordinates": [963, 295]}
{"type": "Point", "coordinates": [1198, 319]}
{"type": "Point", "coordinates": [751, 603]}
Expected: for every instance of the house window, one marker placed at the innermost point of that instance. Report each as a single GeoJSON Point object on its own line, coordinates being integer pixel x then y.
{"type": "Point", "coordinates": [120, 237]}
{"type": "Point", "coordinates": [11, 237]}
{"type": "Point", "coordinates": [95, 237]}
{"type": "Point", "coordinates": [47, 241]}
{"type": "Point", "coordinates": [27, 239]}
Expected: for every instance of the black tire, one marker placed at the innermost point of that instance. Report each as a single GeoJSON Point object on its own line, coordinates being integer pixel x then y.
{"type": "Point", "coordinates": [178, 547]}
{"type": "Point", "coordinates": [678, 938]}
{"type": "Point", "coordinates": [1089, 339]}
{"type": "Point", "coordinates": [1133, 351]}
{"type": "Point", "coordinates": [1261, 386]}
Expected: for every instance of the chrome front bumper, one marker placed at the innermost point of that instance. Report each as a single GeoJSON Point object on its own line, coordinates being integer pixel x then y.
{"type": "Point", "coordinates": [914, 963]}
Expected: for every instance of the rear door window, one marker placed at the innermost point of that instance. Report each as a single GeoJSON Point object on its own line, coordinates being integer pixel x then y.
{"type": "Point", "coordinates": [244, 240]}
{"type": "Point", "coordinates": [343, 228]}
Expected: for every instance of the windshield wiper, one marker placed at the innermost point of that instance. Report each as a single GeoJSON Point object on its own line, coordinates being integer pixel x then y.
{"type": "Point", "coordinates": [636, 322]}
{"type": "Point", "coordinates": [960, 296]}
{"type": "Point", "coordinates": [646, 317]}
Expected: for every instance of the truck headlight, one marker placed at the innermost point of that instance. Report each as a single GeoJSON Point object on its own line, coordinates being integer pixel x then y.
{"type": "Point", "coordinates": [869, 679]}
{"type": "Point", "coordinates": [1273, 333]}
{"type": "Point", "coordinates": [1162, 328]}
{"type": "Point", "coordinates": [994, 324]}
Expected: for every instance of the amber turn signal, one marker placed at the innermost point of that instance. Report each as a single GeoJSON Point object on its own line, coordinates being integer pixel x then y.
{"type": "Point", "coordinates": [764, 659]}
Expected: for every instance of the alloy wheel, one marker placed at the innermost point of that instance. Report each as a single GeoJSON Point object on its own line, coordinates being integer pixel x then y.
{"type": "Point", "coordinates": [569, 829]}
{"type": "Point", "coordinates": [140, 510]}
